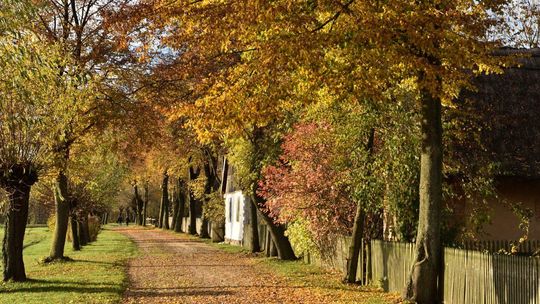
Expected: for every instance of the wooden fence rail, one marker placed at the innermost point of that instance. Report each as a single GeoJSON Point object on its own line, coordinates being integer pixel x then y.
{"type": "Point", "coordinates": [526, 247]}
{"type": "Point", "coordinates": [469, 276]}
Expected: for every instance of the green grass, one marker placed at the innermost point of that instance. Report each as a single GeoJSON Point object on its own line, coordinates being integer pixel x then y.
{"type": "Point", "coordinates": [97, 274]}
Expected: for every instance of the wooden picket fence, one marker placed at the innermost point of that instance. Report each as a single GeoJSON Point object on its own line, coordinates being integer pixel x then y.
{"type": "Point", "coordinates": [337, 258]}
{"type": "Point", "coordinates": [526, 247]}
{"type": "Point", "coordinates": [469, 276]}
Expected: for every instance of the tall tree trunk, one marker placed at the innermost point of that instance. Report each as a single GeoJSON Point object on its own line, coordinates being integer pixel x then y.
{"type": "Point", "coordinates": [358, 226]}
{"type": "Point", "coordinates": [75, 241]}
{"type": "Point", "coordinates": [62, 217]}
{"type": "Point", "coordinates": [281, 241]}
{"type": "Point", "coordinates": [145, 206]}
{"type": "Point", "coordinates": [212, 185]}
{"type": "Point", "coordinates": [165, 201]}
{"type": "Point", "coordinates": [255, 245]}
{"type": "Point", "coordinates": [193, 174]}
{"type": "Point", "coordinates": [422, 286]}
{"type": "Point", "coordinates": [139, 205]}
{"type": "Point", "coordinates": [176, 205]}
{"type": "Point", "coordinates": [181, 206]}
{"type": "Point", "coordinates": [17, 184]}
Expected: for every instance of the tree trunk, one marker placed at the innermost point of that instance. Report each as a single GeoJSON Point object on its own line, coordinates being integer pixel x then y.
{"type": "Point", "coordinates": [356, 244]}
{"type": "Point", "coordinates": [193, 174]}
{"type": "Point", "coordinates": [139, 205]}
{"type": "Point", "coordinates": [254, 229]}
{"type": "Point", "coordinates": [164, 216]}
{"type": "Point", "coordinates": [62, 217]}
{"type": "Point", "coordinates": [176, 205]}
{"type": "Point", "coordinates": [358, 226]}
{"type": "Point", "coordinates": [75, 241]}
{"type": "Point", "coordinates": [423, 281]}
{"type": "Point", "coordinates": [273, 249]}
{"type": "Point", "coordinates": [18, 190]}
{"type": "Point", "coordinates": [267, 243]}
{"type": "Point", "coordinates": [212, 184]}
{"type": "Point", "coordinates": [83, 241]}
{"type": "Point", "coordinates": [164, 198]}
{"type": "Point", "coordinates": [86, 229]}
{"type": "Point", "coordinates": [281, 241]}
{"type": "Point", "coordinates": [204, 228]}
{"type": "Point", "coordinates": [145, 206]}
{"type": "Point", "coordinates": [181, 206]}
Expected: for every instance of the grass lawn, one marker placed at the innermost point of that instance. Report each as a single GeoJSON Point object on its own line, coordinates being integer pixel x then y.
{"type": "Point", "coordinates": [97, 274]}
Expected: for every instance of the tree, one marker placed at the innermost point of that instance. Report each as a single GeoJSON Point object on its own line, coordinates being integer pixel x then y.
{"type": "Point", "coordinates": [269, 51]}
{"type": "Point", "coordinates": [33, 106]}
{"type": "Point", "coordinates": [81, 28]}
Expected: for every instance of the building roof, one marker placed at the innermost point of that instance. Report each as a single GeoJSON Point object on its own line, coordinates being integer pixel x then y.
{"type": "Point", "coordinates": [509, 108]}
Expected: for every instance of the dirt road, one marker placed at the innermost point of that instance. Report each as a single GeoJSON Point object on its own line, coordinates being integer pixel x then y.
{"type": "Point", "coordinates": [174, 268]}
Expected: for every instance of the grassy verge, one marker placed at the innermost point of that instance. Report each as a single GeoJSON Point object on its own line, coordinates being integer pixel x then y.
{"type": "Point", "coordinates": [97, 274]}
{"type": "Point", "coordinates": [321, 280]}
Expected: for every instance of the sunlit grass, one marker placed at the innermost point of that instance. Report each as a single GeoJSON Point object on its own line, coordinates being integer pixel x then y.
{"type": "Point", "coordinates": [97, 274]}
{"type": "Point", "coordinates": [323, 280]}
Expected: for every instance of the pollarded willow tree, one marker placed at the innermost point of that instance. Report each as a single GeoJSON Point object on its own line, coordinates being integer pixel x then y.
{"type": "Point", "coordinates": [33, 108]}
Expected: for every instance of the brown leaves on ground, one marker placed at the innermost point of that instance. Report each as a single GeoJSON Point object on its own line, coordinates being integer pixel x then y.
{"type": "Point", "coordinates": [175, 268]}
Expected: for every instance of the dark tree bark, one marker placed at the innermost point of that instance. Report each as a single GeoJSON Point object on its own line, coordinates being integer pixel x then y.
{"type": "Point", "coordinates": [267, 243]}
{"type": "Point", "coordinates": [16, 181]}
{"type": "Point", "coordinates": [281, 241]}
{"type": "Point", "coordinates": [83, 241]}
{"type": "Point", "coordinates": [176, 205]}
{"type": "Point", "coordinates": [62, 217]}
{"type": "Point", "coordinates": [193, 174]}
{"type": "Point", "coordinates": [181, 205]}
{"type": "Point", "coordinates": [139, 204]}
{"type": "Point", "coordinates": [212, 184]}
{"type": "Point", "coordinates": [75, 240]}
{"type": "Point", "coordinates": [164, 198]}
{"type": "Point", "coordinates": [284, 248]}
{"type": "Point", "coordinates": [86, 230]}
{"type": "Point", "coordinates": [273, 249]}
{"type": "Point", "coordinates": [422, 286]}
{"type": "Point", "coordinates": [165, 201]}
{"type": "Point", "coordinates": [145, 205]}
{"type": "Point", "coordinates": [358, 226]}
{"type": "Point", "coordinates": [254, 228]}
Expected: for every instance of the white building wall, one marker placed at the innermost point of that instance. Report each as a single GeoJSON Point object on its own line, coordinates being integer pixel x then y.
{"type": "Point", "coordinates": [234, 216]}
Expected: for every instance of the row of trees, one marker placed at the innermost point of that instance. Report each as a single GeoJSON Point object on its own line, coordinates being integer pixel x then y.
{"type": "Point", "coordinates": [62, 98]}
{"type": "Point", "coordinates": [330, 112]}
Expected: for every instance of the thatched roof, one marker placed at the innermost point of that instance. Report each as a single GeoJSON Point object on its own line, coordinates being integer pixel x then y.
{"type": "Point", "coordinates": [509, 106]}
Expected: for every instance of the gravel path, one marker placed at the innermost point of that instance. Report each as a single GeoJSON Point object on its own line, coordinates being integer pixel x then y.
{"type": "Point", "coordinates": [174, 268]}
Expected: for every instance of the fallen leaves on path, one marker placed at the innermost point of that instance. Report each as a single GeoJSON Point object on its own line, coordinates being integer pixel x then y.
{"type": "Point", "coordinates": [175, 268]}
